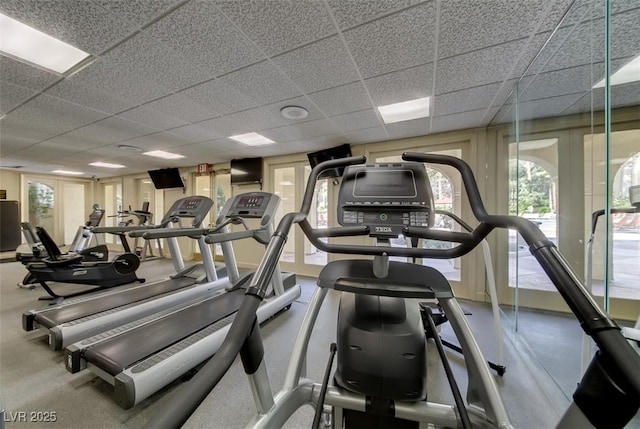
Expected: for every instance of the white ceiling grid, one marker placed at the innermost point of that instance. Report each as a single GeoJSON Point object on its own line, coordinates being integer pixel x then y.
{"type": "Point", "coordinates": [185, 75]}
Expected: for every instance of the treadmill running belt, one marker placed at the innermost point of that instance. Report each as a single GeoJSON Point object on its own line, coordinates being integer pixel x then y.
{"type": "Point", "coordinates": [122, 351]}
{"type": "Point", "coordinates": [81, 309]}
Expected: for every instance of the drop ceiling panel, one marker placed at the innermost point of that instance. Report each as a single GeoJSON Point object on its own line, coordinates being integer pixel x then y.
{"type": "Point", "coordinates": [252, 120]}
{"type": "Point", "coordinates": [216, 99]}
{"type": "Point", "coordinates": [181, 107]}
{"type": "Point", "coordinates": [208, 151]}
{"type": "Point", "coordinates": [348, 13]}
{"type": "Point", "coordinates": [403, 85]}
{"type": "Point", "coordinates": [468, 99]}
{"type": "Point", "coordinates": [368, 135]}
{"type": "Point", "coordinates": [317, 128]}
{"type": "Point", "coordinates": [459, 121]}
{"type": "Point", "coordinates": [89, 96]}
{"type": "Point", "coordinates": [72, 141]}
{"type": "Point", "coordinates": [194, 133]}
{"type": "Point", "coordinates": [123, 83]}
{"type": "Point", "coordinates": [546, 107]}
{"type": "Point", "coordinates": [486, 23]}
{"type": "Point", "coordinates": [11, 96]}
{"type": "Point", "coordinates": [356, 120]}
{"type": "Point", "coordinates": [46, 151]}
{"type": "Point", "coordinates": [264, 83]}
{"type": "Point", "coordinates": [342, 99]}
{"type": "Point", "coordinates": [320, 65]}
{"type": "Point", "coordinates": [159, 141]}
{"type": "Point", "coordinates": [200, 32]}
{"type": "Point", "coordinates": [24, 75]}
{"type": "Point", "coordinates": [416, 127]}
{"type": "Point", "coordinates": [283, 134]}
{"type": "Point", "coordinates": [137, 12]}
{"type": "Point", "coordinates": [54, 116]}
{"type": "Point", "coordinates": [82, 24]}
{"type": "Point", "coordinates": [152, 118]}
{"type": "Point", "coordinates": [112, 130]}
{"type": "Point", "coordinates": [478, 68]}
{"type": "Point", "coordinates": [381, 46]}
{"type": "Point", "coordinates": [279, 26]}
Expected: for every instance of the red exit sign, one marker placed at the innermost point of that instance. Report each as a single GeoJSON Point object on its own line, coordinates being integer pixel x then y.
{"type": "Point", "coordinates": [204, 168]}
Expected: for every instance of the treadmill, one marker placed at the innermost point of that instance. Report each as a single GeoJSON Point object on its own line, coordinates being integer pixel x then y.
{"type": "Point", "coordinates": [73, 320]}
{"type": "Point", "coordinates": [140, 359]}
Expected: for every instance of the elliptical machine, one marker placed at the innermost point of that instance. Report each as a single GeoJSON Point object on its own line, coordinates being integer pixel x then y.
{"type": "Point", "coordinates": [381, 333]}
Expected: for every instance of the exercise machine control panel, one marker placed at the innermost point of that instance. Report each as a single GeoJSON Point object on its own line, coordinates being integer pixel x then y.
{"type": "Point", "coordinates": [195, 207]}
{"type": "Point", "coordinates": [386, 197]}
{"type": "Point", "coordinates": [254, 205]}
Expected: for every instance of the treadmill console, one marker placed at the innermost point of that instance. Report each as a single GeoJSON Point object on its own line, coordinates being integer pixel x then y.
{"type": "Point", "coordinates": [253, 205]}
{"type": "Point", "coordinates": [195, 207]}
{"type": "Point", "coordinates": [386, 197]}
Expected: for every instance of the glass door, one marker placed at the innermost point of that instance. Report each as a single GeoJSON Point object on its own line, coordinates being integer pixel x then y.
{"type": "Point", "coordinates": [112, 207]}
{"type": "Point", "coordinates": [289, 182]}
{"type": "Point", "coordinates": [41, 204]}
{"type": "Point", "coordinates": [73, 209]}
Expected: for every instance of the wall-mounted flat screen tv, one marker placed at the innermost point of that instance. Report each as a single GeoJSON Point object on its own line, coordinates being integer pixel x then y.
{"type": "Point", "coordinates": [315, 158]}
{"type": "Point", "coordinates": [246, 170]}
{"type": "Point", "coordinates": [166, 178]}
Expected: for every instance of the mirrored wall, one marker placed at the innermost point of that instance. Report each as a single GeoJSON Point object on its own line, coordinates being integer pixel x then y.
{"type": "Point", "coordinates": [570, 138]}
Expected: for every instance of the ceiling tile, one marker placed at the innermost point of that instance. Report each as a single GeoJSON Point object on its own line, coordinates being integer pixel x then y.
{"type": "Point", "coordinates": [317, 128]}
{"type": "Point", "coordinates": [403, 85]}
{"type": "Point", "coordinates": [264, 83]}
{"type": "Point", "coordinates": [209, 151]}
{"type": "Point", "coordinates": [459, 121]}
{"type": "Point", "coordinates": [283, 134]}
{"type": "Point", "coordinates": [182, 107]}
{"type": "Point", "coordinates": [217, 98]}
{"type": "Point", "coordinates": [54, 116]}
{"type": "Point", "coordinates": [202, 35]}
{"type": "Point", "coordinates": [546, 107]}
{"type": "Point", "coordinates": [159, 141]}
{"type": "Point", "coordinates": [252, 120]}
{"type": "Point", "coordinates": [356, 120]}
{"type": "Point", "coordinates": [47, 151]}
{"type": "Point", "coordinates": [89, 96]}
{"type": "Point", "coordinates": [194, 133]}
{"type": "Point", "coordinates": [82, 24]}
{"type": "Point", "coordinates": [320, 65]}
{"type": "Point", "coordinates": [415, 127]}
{"type": "Point", "coordinates": [381, 46]}
{"type": "Point", "coordinates": [151, 117]}
{"type": "Point", "coordinates": [342, 99]}
{"type": "Point", "coordinates": [478, 68]}
{"type": "Point", "coordinates": [485, 23]}
{"type": "Point", "coordinates": [105, 74]}
{"type": "Point", "coordinates": [368, 135]}
{"type": "Point", "coordinates": [137, 12]}
{"type": "Point", "coordinates": [17, 73]}
{"type": "Point", "coordinates": [112, 130]}
{"type": "Point", "coordinates": [11, 96]}
{"type": "Point", "coordinates": [277, 26]}
{"type": "Point", "coordinates": [349, 13]}
{"type": "Point", "coordinates": [468, 99]}
{"type": "Point", "coordinates": [559, 82]}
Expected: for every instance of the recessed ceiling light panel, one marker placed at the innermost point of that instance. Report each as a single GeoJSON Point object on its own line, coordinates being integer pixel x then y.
{"type": "Point", "coordinates": [405, 111]}
{"type": "Point", "coordinates": [106, 165]}
{"type": "Point", "coordinates": [26, 44]}
{"type": "Point", "coordinates": [162, 154]}
{"type": "Point", "coordinates": [67, 172]}
{"type": "Point", "coordinates": [252, 139]}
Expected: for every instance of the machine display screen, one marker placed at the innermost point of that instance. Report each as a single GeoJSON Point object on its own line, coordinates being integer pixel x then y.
{"type": "Point", "coordinates": [250, 201]}
{"type": "Point", "coordinates": [385, 184]}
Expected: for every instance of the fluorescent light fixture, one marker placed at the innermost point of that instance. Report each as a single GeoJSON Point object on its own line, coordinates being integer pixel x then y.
{"type": "Point", "coordinates": [70, 173]}
{"type": "Point", "coordinates": [405, 111]}
{"type": "Point", "coordinates": [252, 139]}
{"type": "Point", "coordinates": [164, 155]}
{"type": "Point", "coordinates": [26, 44]}
{"type": "Point", "coordinates": [628, 73]}
{"type": "Point", "coordinates": [286, 183]}
{"type": "Point", "coordinates": [106, 165]}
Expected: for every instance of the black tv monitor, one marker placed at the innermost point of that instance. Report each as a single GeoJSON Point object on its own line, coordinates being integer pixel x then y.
{"type": "Point", "coordinates": [246, 170]}
{"type": "Point", "coordinates": [166, 178]}
{"type": "Point", "coordinates": [315, 158]}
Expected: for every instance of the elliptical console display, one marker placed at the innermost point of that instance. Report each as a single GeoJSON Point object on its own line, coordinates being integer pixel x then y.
{"type": "Point", "coordinates": [386, 198]}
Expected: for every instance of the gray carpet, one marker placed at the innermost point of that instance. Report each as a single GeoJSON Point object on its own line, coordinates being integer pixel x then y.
{"type": "Point", "coordinates": [33, 378]}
